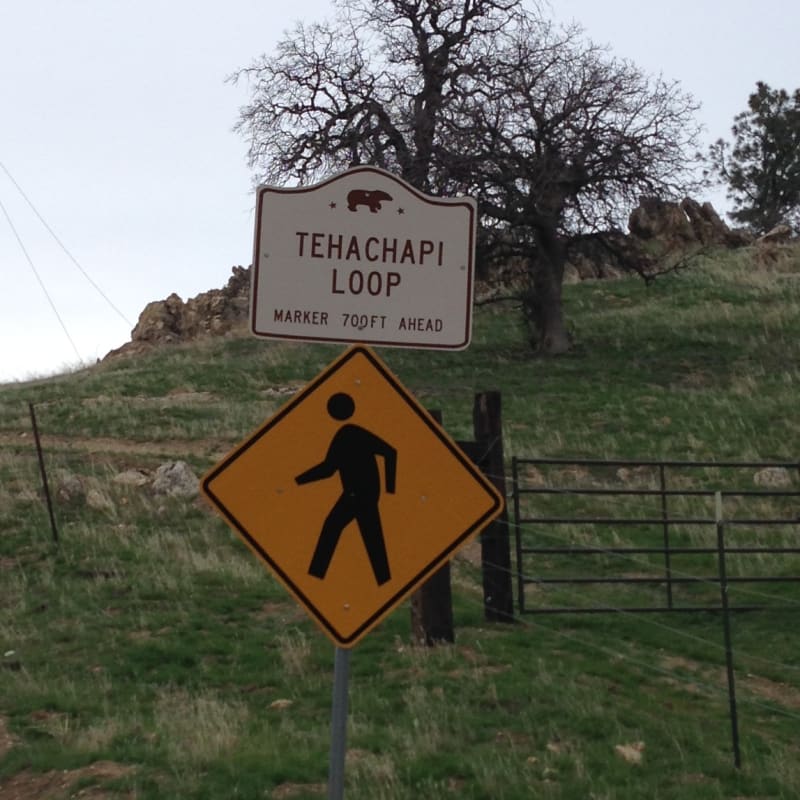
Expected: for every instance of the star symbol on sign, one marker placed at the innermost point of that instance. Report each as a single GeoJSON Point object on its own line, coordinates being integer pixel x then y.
{"type": "Point", "coordinates": [401, 211]}
{"type": "Point", "coordinates": [333, 205]}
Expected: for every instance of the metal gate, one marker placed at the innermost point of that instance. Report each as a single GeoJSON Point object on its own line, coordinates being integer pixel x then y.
{"type": "Point", "coordinates": [596, 536]}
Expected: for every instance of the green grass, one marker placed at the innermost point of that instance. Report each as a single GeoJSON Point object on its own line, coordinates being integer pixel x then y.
{"type": "Point", "coordinates": [151, 638]}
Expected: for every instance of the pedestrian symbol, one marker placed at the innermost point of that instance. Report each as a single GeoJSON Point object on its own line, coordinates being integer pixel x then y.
{"type": "Point", "coordinates": [352, 454]}
{"type": "Point", "coordinates": [352, 494]}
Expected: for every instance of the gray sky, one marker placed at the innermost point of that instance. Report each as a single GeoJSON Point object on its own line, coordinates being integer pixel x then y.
{"type": "Point", "coordinates": [116, 123]}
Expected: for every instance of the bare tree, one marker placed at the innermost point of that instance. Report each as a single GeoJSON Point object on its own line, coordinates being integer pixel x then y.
{"type": "Point", "coordinates": [372, 86]}
{"type": "Point", "coordinates": [550, 133]}
{"type": "Point", "coordinates": [562, 139]}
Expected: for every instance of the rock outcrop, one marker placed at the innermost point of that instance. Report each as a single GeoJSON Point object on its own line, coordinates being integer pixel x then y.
{"type": "Point", "coordinates": [600, 256]}
{"type": "Point", "coordinates": [682, 224]}
{"type": "Point", "coordinates": [655, 218]}
{"type": "Point", "coordinates": [213, 313]}
{"type": "Point", "coordinates": [660, 232]}
{"type": "Point", "coordinates": [780, 234]}
{"type": "Point", "coordinates": [708, 227]}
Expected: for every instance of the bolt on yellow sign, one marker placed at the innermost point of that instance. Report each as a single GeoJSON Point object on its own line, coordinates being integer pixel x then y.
{"type": "Point", "coordinates": [352, 494]}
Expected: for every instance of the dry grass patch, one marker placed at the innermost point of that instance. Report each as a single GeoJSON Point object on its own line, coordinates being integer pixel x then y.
{"type": "Point", "coordinates": [177, 557]}
{"type": "Point", "coordinates": [198, 728]}
{"type": "Point", "coordinates": [98, 736]}
{"type": "Point", "coordinates": [430, 715]}
{"type": "Point", "coordinates": [289, 790]}
{"type": "Point", "coordinates": [375, 770]}
{"type": "Point", "coordinates": [295, 651]}
{"type": "Point", "coordinates": [7, 741]}
{"type": "Point", "coordinates": [286, 612]}
{"type": "Point", "coordinates": [179, 397]}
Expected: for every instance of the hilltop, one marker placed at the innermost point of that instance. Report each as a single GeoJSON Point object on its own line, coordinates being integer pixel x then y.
{"type": "Point", "coordinates": [660, 234]}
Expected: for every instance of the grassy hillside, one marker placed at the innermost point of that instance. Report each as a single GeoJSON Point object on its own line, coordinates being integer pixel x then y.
{"type": "Point", "coordinates": [152, 657]}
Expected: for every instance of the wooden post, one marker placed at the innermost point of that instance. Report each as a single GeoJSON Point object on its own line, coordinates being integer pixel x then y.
{"type": "Point", "coordinates": [498, 594]}
{"type": "Point", "coordinates": [432, 603]}
{"type": "Point", "coordinates": [432, 610]}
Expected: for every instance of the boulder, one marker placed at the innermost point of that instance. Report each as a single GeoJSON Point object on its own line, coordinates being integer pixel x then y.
{"type": "Point", "coordinates": [161, 321]}
{"type": "Point", "coordinates": [655, 218]}
{"type": "Point", "coordinates": [69, 488]}
{"type": "Point", "coordinates": [740, 237]}
{"type": "Point", "coordinates": [175, 479]}
{"type": "Point", "coordinates": [134, 477]}
{"type": "Point", "coordinates": [780, 234]}
{"type": "Point", "coordinates": [98, 500]}
{"type": "Point", "coordinates": [609, 254]}
{"type": "Point", "coordinates": [773, 478]}
{"type": "Point", "coordinates": [708, 227]}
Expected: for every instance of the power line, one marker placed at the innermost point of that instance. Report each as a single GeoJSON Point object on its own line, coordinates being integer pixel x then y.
{"type": "Point", "coordinates": [41, 282]}
{"type": "Point", "coordinates": [63, 246]}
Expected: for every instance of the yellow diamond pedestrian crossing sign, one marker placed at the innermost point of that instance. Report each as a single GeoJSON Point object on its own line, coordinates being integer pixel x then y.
{"type": "Point", "coordinates": [352, 495]}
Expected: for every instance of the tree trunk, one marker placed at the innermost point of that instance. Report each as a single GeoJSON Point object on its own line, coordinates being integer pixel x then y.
{"type": "Point", "coordinates": [550, 331]}
{"type": "Point", "coordinates": [542, 302]}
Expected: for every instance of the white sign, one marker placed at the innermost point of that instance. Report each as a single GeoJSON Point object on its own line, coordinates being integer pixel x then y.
{"type": "Point", "coordinates": [363, 257]}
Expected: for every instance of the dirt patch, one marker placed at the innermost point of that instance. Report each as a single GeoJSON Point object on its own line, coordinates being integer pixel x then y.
{"type": "Point", "coordinates": [173, 448]}
{"type": "Point", "coordinates": [7, 741]}
{"type": "Point", "coordinates": [286, 790]}
{"type": "Point", "coordinates": [471, 552]}
{"type": "Point", "coordinates": [285, 611]}
{"type": "Point", "coordinates": [514, 739]}
{"type": "Point", "coordinates": [782, 694]}
{"type": "Point", "coordinates": [700, 686]}
{"type": "Point", "coordinates": [694, 379]}
{"type": "Point", "coordinates": [678, 662]}
{"type": "Point", "coordinates": [55, 785]}
{"type": "Point", "coordinates": [176, 397]}
{"type": "Point", "coordinates": [696, 779]}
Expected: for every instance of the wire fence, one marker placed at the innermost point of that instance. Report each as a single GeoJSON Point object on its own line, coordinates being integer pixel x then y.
{"type": "Point", "coordinates": [637, 537]}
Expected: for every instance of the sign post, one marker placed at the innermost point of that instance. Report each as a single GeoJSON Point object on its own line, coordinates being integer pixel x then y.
{"type": "Point", "coordinates": [341, 682]}
{"type": "Point", "coordinates": [360, 481]}
{"type": "Point", "coordinates": [366, 494]}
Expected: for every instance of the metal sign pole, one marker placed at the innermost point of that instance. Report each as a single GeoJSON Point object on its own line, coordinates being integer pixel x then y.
{"type": "Point", "coordinates": [341, 677]}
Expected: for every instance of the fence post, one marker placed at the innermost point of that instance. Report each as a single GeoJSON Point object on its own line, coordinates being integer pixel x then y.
{"type": "Point", "coordinates": [498, 595]}
{"type": "Point", "coordinates": [43, 472]}
{"type": "Point", "coordinates": [726, 627]}
{"type": "Point", "coordinates": [432, 603]}
{"type": "Point", "coordinates": [665, 517]}
{"type": "Point", "coordinates": [518, 534]}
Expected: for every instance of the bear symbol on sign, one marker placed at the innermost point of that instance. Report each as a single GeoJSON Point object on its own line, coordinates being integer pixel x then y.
{"type": "Point", "coordinates": [363, 197]}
